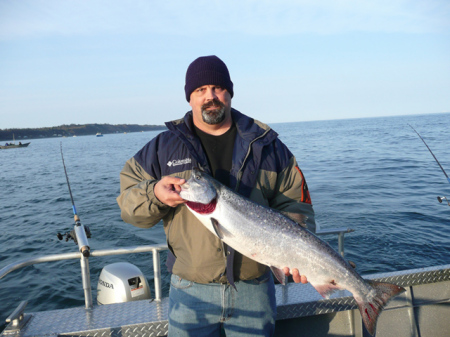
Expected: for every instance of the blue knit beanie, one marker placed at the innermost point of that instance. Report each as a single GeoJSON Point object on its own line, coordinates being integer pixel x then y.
{"type": "Point", "coordinates": [207, 70]}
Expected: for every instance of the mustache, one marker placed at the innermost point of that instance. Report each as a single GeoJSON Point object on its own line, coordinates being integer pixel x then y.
{"type": "Point", "coordinates": [213, 103]}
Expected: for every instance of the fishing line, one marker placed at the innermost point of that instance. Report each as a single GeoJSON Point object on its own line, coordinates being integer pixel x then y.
{"type": "Point", "coordinates": [77, 219]}
{"type": "Point", "coordinates": [437, 161]}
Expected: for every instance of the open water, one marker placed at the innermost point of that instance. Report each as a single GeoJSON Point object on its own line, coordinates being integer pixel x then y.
{"type": "Point", "coordinates": [373, 175]}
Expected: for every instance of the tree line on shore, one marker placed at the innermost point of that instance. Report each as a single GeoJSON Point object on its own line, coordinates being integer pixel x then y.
{"type": "Point", "coordinates": [74, 130]}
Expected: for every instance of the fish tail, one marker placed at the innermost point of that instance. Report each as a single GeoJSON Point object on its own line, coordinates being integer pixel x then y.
{"type": "Point", "coordinates": [371, 308]}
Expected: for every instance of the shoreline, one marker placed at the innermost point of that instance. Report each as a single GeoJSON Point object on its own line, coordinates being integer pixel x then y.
{"type": "Point", "coordinates": [73, 130]}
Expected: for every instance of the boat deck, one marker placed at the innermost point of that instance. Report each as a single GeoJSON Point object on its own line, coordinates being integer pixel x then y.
{"type": "Point", "coordinates": [423, 310]}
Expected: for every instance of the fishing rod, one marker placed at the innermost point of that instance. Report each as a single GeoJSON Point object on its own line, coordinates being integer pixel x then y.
{"type": "Point", "coordinates": [440, 199]}
{"type": "Point", "coordinates": [80, 233]}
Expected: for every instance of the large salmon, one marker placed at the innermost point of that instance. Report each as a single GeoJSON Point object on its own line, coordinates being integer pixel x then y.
{"type": "Point", "coordinates": [271, 238]}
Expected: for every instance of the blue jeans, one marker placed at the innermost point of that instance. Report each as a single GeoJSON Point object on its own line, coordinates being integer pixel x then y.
{"type": "Point", "coordinates": [204, 309]}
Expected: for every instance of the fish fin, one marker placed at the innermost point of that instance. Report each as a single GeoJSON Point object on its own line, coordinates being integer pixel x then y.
{"type": "Point", "coordinates": [216, 227]}
{"type": "Point", "coordinates": [279, 274]}
{"type": "Point", "coordinates": [370, 310]}
{"type": "Point", "coordinates": [220, 231]}
{"type": "Point", "coordinates": [326, 289]}
{"type": "Point", "coordinates": [297, 217]}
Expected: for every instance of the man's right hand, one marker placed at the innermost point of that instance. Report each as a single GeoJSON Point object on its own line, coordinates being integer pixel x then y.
{"type": "Point", "coordinates": [167, 190]}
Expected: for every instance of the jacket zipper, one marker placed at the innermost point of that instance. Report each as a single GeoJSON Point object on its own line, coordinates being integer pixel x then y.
{"type": "Point", "coordinates": [239, 174]}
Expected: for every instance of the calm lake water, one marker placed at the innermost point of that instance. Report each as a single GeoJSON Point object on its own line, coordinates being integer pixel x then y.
{"type": "Point", "coordinates": [373, 175]}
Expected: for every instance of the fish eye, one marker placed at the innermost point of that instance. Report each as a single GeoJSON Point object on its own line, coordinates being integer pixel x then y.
{"type": "Point", "coordinates": [197, 177]}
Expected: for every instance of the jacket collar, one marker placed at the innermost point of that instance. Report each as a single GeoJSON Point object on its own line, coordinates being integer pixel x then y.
{"type": "Point", "coordinates": [248, 128]}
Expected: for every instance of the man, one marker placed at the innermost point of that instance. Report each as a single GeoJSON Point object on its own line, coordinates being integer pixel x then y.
{"type": "Point", "coordinates": [212, 286]}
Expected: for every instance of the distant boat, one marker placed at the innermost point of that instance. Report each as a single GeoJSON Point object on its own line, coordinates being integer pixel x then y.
{"type": "Point", "coordinates": [13, 145]}
{"type": "Point", "coordinates": [98, 134]}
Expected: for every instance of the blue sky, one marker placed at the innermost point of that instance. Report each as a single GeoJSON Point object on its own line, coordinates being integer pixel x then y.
{"type": "Point", "coordinates": [110, 61]}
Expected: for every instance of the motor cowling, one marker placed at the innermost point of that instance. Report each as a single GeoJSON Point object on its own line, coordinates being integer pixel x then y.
{"type": "Point", "coordinates": [121, 282]}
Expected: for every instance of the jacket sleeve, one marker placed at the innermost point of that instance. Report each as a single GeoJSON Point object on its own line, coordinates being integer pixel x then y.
{"type": "Point", "coordinates": [292, 194]}
{"type": "Point", "coordinates": [137, 201]}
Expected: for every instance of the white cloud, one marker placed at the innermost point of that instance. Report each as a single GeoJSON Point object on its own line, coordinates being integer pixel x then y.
{"type": "Point", "coordinates": [256, 17]}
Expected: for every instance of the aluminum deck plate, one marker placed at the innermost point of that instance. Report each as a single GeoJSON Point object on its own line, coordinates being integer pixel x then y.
{"type": "Point", "coordinates": [139, 318]}
{"type": "Point", "coordinates": [149, 318]}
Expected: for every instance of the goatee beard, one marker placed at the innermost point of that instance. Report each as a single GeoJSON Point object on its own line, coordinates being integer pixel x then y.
{"type": "Point", "coordinates": [215, 116]}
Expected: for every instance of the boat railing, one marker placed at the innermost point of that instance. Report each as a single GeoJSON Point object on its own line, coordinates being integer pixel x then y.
{"type": "Point", "coordinates": [154, 249]}
{"type": "Point", "coordinates": [341, 231]}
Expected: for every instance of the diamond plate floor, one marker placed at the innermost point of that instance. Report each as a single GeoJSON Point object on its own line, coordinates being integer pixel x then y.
{"type": "Point", "coordinates": [149, 318]}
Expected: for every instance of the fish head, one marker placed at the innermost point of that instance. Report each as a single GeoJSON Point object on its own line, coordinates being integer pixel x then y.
{"type": "Point", "coordinates": [198, 188]}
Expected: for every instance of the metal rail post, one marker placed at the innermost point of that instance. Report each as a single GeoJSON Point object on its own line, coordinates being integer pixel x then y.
{"type": "Point", "coordinates": [86, 278]}
{"type": "Point", "coordinates": [157, 274]}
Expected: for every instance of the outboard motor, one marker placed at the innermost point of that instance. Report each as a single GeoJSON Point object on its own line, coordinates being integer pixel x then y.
{"type": "Point", "coordinates": [121, 282]}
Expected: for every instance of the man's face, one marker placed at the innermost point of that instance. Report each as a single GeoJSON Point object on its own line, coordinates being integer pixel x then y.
{"type": "Point", "coordinates": [210, 104]}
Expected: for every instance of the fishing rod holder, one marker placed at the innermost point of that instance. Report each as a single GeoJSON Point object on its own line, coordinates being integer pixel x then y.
{"type": "Point", "coordinates": [440, 199]}
{"type": "Point", "coordinates": [82, 238]}
{"type": "Point", "coordinates": [80, 235]}
{"type": "Point", "coordinates": [83, 245]}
